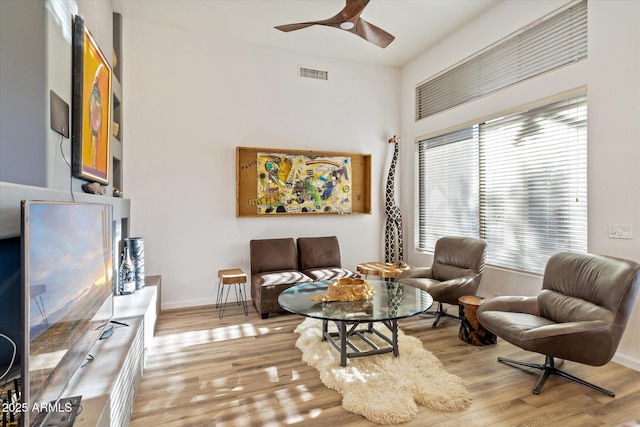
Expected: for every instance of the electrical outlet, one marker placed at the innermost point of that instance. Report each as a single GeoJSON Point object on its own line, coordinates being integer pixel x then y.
{"type": "Point", "coordinates": [620, 231]}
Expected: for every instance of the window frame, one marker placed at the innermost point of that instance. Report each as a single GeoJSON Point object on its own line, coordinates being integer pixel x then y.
{"type": "Point", "coordinates": [579, 244]}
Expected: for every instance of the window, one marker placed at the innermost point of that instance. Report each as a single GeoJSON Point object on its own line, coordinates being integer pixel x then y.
{"type": "Point", "coordinates": [518, 181]}
{"type": "Point", "coordinates": [552, 42]}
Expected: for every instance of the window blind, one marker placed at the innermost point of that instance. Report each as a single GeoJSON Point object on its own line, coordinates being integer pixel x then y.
{"type": "Point", "coordinates": [518, 181]}
{"type": "Point", "coordinates": [448, 187]}
{"type": "Point", "coordinates": [554, 41]}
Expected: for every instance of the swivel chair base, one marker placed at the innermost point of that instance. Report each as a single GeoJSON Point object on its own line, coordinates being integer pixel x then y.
{"type": "Point", "coordinates": [549, 368]}
{"type": "Point", "coordinates": [440, 312]}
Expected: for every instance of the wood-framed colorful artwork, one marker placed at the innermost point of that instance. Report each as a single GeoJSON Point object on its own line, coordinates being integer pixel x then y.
{"type": "Point", "coordinates": [92, 98]}
{"type": "Point", "coordinates": [277, 182]}
{"type": "Point", "coordinates": [302, 183]}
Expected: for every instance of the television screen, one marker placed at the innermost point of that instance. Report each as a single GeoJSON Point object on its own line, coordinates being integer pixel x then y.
{"type": "Point", "coordinates": [9, 307]}
{"type": "Point", "coordinates": [67, 293]}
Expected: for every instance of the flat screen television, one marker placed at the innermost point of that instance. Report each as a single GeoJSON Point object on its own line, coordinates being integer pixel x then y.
{"type": "Point", "coordinates": [67, 296]}
{"type": "Point", "coordinates": [9, 308]}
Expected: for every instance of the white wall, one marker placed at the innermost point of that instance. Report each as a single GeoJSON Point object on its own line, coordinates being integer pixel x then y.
{"type": "Point", "coordinates": [612, 77]}
{"type": "Point", "coordinates": [22, 89]}
{"type": "Point", "coordinates": [190, 99]}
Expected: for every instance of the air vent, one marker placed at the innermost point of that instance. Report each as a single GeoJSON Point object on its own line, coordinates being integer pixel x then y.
{"type": "Point", "coordinates": [313, 73]}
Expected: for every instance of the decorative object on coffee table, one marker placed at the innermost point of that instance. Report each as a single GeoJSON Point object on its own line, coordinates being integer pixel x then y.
{"type": "Point", "coordinates": [471, 331]}
{"type": "Point", "coordinates": [393, 240]}
{"type": "Point", "coordinates": [347, 289]}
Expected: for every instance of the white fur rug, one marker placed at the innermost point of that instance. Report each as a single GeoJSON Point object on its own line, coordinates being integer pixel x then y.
{"type": "Point", "coordinates": [382, 388]}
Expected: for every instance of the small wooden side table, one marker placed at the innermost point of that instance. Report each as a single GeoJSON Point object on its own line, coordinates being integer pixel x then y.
{"type": "Point", "coordinates": [386, 270]}
{"type": "Point", "coordinates": [233, 276]}
{"type": "Point", "coordinates": [471, 331]}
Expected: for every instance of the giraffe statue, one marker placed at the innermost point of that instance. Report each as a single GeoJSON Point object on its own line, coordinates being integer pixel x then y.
{"type": "Point", "coordinates": [393, 251]}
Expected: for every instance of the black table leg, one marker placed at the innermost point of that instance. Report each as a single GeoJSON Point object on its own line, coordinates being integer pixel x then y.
{"type": "Point", "coordinates": [342, 330]}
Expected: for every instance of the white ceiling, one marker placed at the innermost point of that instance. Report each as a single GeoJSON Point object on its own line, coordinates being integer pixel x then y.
{"type": "Point", "coordinates": [416, 24]}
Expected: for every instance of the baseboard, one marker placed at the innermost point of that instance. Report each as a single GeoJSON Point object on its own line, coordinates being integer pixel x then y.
{"type": "Point", "coordinates": [187, 304]}
{"type": "Point", "coordinates": [194, 303]}
{"type": "Point", "coordinates": [629, 362]}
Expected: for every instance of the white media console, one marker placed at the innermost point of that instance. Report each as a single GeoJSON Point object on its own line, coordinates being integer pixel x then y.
{"type": "Point", "coordinates": [108, 384]}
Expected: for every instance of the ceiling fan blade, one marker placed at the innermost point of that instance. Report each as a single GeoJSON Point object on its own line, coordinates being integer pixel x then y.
{"type": "Point", "coordinates": [334, 21]}
{"type": "Point", "coordinates": [353, 9]}
{"type": "Point", "coordinates": [350, 14]}
{"type": "Point", "coordinates": [372, 34]}
{"type": "Point", "coordinates": [293, 27]}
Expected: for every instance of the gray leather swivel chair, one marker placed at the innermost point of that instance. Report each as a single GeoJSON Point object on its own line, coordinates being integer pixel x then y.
{"type": "Point", "coordinates": [458, 264]}
{"type": "Point", "coordinates": [580, 314]}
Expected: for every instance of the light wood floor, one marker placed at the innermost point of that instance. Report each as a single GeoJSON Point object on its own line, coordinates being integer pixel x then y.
{"type": "Point", "coordinates": [245, 371]}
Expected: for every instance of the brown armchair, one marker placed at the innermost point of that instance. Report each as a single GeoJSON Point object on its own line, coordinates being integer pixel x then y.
{"type": "Point", "coordinates": [580, 314]}
{"type": "Point", "coordinates": [319, 258]}
{"type": "Point", "coordinates": [458, 264]}
{"type": "Point", "coordinates": [274, 268]}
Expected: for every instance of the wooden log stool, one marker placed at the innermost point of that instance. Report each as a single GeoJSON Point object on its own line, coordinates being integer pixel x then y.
{"type": "Point", "coordinates": [233, 276]}
{"type": "Point", "coordinates": [471, 331]}
{"type": "Point", "coordinates": [385, 270]}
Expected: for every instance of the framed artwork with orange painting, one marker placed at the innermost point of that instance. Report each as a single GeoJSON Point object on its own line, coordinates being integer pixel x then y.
{"type": "Point", "coordinates": [92, 97]}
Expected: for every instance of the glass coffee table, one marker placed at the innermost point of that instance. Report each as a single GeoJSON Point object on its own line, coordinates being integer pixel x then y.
{"type": "Point", "coordinates": [392, 301]}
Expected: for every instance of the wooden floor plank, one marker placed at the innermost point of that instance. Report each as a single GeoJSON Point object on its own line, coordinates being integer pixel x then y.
{"type": "Point", "coordinates": [245, 371]}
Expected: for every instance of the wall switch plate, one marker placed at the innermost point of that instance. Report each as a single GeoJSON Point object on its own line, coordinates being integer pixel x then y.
{"type": "Point", "coordinates": [59, 114]}
{"type": "Point", "coordinates": [620, 231]}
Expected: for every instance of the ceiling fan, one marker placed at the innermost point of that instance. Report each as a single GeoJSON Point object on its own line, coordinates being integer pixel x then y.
{"type": "Point", "coordinates": [349, 20]}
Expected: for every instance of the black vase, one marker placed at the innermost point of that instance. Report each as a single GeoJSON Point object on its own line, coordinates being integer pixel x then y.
{"type": "Point", "coordinates": [136, 251]}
